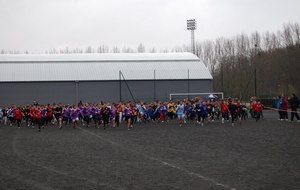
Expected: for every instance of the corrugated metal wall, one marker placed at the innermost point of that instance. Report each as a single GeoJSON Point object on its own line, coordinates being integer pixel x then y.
{"type": "Point", "coordinates": [22, 93]}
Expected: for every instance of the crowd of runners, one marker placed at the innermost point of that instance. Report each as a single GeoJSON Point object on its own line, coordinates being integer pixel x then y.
{"type": "Point", "coordinates": [104, 114]}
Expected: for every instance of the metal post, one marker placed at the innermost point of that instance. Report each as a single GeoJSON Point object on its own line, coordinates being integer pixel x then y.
{"type": "Point", "coordinates": [120, 86]}
{"type": "Point", "coordinates": [255, 88]}
{"type": "Point", "coordinates": [188, 84]}
{"type": "Point", "coordinates": [222, 76]}
{"type": "Point", "coordinates": [154, 82]}
{"type": "Point", "coordinates": [76, 92]}
{"type": "Point", "coordinates": [193, 41]}
{"type": "Point", "coordinates": [127, 86]}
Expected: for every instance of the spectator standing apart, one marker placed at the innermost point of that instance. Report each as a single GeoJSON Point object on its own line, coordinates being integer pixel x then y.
{"type": "Point", "coordinates": [294, 102]}
{"type": "Point", "coordinates": [278, 103]}
{"type": "Point", "coordinates": [285, 105]}
{"type": "Point", "coordinates": [274, 102]}
{"type": "Point", "coordinates": [1, 116]}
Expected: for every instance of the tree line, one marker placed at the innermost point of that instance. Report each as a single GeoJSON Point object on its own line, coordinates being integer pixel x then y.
{"type": "Point", "coordinates": [263, 64]}
{"type": "Point", "coordinates": [272, 59]}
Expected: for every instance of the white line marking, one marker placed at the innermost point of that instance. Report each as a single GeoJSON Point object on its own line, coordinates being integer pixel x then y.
{"type": "Point", "coordinates": [214, 182]}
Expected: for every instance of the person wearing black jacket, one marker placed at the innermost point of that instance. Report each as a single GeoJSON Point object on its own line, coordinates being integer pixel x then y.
{"type": "Point", "coordinates": [233, 110]}
{"type": "Point", "coordinates": [294, 102]}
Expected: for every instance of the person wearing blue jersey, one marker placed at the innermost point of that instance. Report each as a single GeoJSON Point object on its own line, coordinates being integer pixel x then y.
{"type": "Point", "coordinates": [162, 110]}
{"type": "Point", "coordinates": [201, 110]}
{"type": "Point", "coordinates": [189, 110]}
{"type": "Point", "coordinates": [180, 113]}
{"type": "Point", "coordinates": [142, 116]}
{"type": "Point", "coordinates": [10, 115]}
{"type": "Point", "coordinates": [150, 112]}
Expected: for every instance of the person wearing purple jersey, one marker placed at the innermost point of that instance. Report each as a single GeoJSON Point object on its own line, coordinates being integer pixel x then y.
{"type": "Point", "coordinates": [128, 115]}
{"type": "Point", "coordinates": [98, 116]}
{"type": "Point", "coordinates": [66, 114]}
{"type": "Point", "coordinates": [74, 114]}
{"type": "Point", "coordinates": [86, 114]}
{"type": "Point", "coordinates": [113, 115]}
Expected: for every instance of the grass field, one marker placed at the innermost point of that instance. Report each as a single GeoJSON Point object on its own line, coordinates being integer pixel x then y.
{"type": "Point", "coordinates": [253, 155]}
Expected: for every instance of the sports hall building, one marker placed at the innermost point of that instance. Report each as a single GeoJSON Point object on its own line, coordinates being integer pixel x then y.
{"type": "Point", "coordinates": [69, 78]}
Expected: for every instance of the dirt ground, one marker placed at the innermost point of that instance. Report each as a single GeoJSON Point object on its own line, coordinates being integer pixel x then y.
{"type": "Point", "coordinates": [253, 155]}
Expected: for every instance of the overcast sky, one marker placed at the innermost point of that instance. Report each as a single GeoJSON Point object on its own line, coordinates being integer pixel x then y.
{"type": "Point", "coordinates": [40, 25]}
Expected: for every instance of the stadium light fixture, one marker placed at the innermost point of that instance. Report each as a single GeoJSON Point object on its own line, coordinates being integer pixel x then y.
{"type": "Point", "coordinates": [192, 26]}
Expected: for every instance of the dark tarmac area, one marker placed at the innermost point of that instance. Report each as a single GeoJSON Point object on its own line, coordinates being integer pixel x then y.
{"type": "Point", "coordinates": [251, 155]}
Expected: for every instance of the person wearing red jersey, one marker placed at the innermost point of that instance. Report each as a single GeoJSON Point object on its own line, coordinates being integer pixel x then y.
{"type": "Point", "coordinates": [257, 108]}
{"type": "Point", "coordinates": [225, 111]}
{"type": "Point", "coordinates": [284, 108]}
{"type": "Point", "coordinates": [32, 117]}
{"type": "Point", "coordinates": [38, 117]}
{"type": "Point", "coordinates": [49, 114]}
{"type": "Point", "coordinates": [18, 114]}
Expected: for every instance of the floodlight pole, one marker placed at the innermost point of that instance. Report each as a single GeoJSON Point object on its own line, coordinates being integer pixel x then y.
{"type": "Point", "coordinates": [193, 41]}
{"type": "Point", "coordinates": [191, 25]}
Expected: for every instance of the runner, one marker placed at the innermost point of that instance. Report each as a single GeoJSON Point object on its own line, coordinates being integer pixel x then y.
{"type": "Point", "coordinates": [225, 111]}
{"type": "Point", "coordinates": [180, 113]}
{"type": "Point", "coordinates": [171, 110]}
{"type": "Point", "coordinates": [18, 114]}
{"type": "Point", "coordinates": [128, 116]}
{"type": "Point", "coordinates": [58, 115]}
{"type": "Point", "coordinates": [74, 114]}
{"type": "Point", "coordinates": [233, 110]}
{"type": "Point", "coordinates": [257, 108]}
{"type": "Point", "coordinates": [105, 115]}
{"type": "Point", "coordinates": [38, 117]}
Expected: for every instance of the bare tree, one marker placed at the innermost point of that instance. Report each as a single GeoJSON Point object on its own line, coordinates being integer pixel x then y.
{"type": "Point", "coordinates": [141, 48]}
{"type": "Point", "coordinates": [116, 49]}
